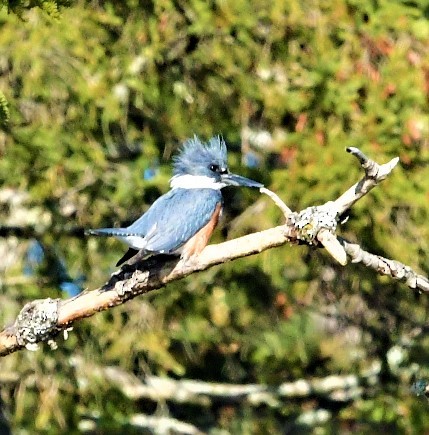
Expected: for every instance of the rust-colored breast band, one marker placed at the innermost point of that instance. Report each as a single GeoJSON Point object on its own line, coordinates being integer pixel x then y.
{"type": "Point", "coordinates": [200, 240]}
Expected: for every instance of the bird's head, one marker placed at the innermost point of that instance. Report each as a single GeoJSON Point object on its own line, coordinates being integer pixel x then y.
{"type": "Point", "coordinates": [204, 165]}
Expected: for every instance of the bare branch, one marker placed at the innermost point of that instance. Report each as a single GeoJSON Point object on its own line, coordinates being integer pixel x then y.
{"type": "Point", "coordinates": [204, 394]}
{"type": "Point", "coordinates": [332, 245]}
{"type": "Point", "coordinates": [374, 174]}
{"type": "Point", "coordinates": [387, 267]}
{"type": "Point", "coordinates": [37, 320]}
{"type": "Point", "coordinates": [152, 424]}
{"type": "Point", "coordinates": [43, 320]}
{"type": "Point", "coordinates": [161, 425]}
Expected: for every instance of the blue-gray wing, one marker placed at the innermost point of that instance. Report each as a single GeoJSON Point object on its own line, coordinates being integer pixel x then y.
{"type": "Point", "coordinates": [175, 217]}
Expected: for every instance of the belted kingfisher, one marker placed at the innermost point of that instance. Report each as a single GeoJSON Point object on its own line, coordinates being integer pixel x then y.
{"type": "Point", "coordinates": [182, 220]}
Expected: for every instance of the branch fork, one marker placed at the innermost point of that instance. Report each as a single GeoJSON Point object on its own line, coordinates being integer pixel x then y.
{"type": "Point", "coordinates": [317, 225]}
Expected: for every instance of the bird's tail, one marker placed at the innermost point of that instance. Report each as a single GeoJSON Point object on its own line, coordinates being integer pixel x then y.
{"type": "Point", "coordinates": [115, 232]}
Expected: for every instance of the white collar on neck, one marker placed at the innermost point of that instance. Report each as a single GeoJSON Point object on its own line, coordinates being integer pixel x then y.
{"type": "Point", "coordinates": [189, 181]}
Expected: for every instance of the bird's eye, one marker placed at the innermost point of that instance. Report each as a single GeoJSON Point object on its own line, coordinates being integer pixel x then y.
{"type": "Point", "coordinates": [214, 168]}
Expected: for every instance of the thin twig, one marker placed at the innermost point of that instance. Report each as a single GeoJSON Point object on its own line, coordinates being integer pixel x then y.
{"type": "Point", "coordinates": [283, 207]}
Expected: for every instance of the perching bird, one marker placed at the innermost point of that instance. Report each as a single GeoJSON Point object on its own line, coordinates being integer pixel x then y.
{"type": "Point", "coordinates": [182, 220]}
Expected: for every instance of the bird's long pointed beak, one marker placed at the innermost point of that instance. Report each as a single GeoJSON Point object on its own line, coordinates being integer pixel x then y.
{"type": "Point", "coordinates": [238, 180]}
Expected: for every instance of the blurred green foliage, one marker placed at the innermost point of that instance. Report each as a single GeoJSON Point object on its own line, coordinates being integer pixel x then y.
{"type": "Point", "coordinates": [20, 7]}
{"type": "Point", "coordinates": [4, 110]}
{"type": "Point", "coordinates": [95, 100]}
